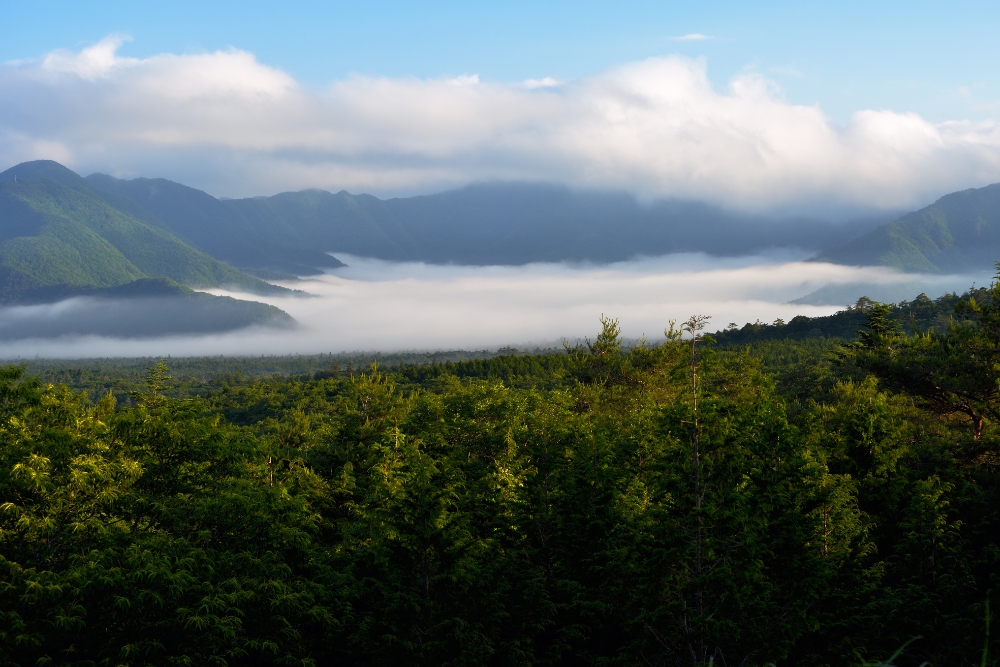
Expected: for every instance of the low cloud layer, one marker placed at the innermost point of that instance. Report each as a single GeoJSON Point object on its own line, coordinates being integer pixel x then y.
{"type": "Point", "coordinates": [380, 306]}
{"type": "Point", "coordinates": [227, 123]}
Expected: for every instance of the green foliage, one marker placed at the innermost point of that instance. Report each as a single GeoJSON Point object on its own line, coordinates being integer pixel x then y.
{"type": "Point", "coordinates": [664, 504]}
{"type": "Point", "coordinates": [956, 372]}
{"type": "Point", "coordinates": [59, 234]}
{"type": "Point", "coordinates": [916, 316]}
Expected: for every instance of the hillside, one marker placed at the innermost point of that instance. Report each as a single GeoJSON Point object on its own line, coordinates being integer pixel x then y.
{"type": "Point", "coordinates": [960, 232]}
{"type": "Point", "coordinates": [499, 223]}
{"type": "Point", "coordinates": [919, 315]}
{"type": "Point", "coordinates": [517, 223]}
{"type": "Point", "coordinates": [144, 308]}
{"type": "Point", "coordinates": [56, 231]}
{"type": "Point", "coordinates": [355, 224]}
{"type": "Point", "coordinates": [291, 233]}
{"type": "Point", "coordinates": [215, 227]}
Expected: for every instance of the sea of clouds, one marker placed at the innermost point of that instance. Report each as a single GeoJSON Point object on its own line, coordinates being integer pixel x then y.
{"type": "Point", "coordinates": [229, 124]}
{"type": "Point", "coordinates": [373, 305]}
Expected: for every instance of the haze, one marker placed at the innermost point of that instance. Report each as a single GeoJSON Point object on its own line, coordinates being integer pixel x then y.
{"type": "Point", "coordinates": [373, 305]}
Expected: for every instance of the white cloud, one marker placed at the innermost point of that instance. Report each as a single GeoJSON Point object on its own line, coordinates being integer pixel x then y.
{"type": "Point", "coordinates": [93, 62]}
{"type": "Point", "coordinates": [691, 37]}
{"type": "Point", "coordinates": [377, 305]}
{"type": "Point", "coordinates": [465, 80]}
{"type": "Point", "coordinates": [545, 82]}
{"type": "Point", "coordinates": [227, 123]}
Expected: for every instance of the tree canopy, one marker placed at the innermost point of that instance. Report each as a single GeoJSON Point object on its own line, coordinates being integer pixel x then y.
{"type": "Point", "coordinates": [666, 503]}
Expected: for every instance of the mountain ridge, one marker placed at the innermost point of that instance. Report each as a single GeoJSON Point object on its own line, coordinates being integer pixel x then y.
{"type": "Point", "coordinates": [295, 233]}
{"type": "Point", "coordinates": [108, 264]}
{"type": "Point", "coordinates": [957, 233]}
{"type": "Point", "coordinates": [56, 230]}
{"type": "Point", "coordinates": [482, 224]}
{"type": "Point", "coordinates": [210, 225]}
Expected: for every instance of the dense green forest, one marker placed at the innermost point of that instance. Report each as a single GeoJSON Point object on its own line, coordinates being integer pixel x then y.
{"type": "Point", "coordinates": [805, 500]}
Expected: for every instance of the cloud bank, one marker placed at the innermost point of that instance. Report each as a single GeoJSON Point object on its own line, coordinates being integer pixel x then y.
{"type": "Point", "coordinates": [374, 305]}
{"type": "Point", "coordinates": [227, 123]}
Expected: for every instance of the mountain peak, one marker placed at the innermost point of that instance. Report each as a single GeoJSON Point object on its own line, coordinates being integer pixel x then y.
{"type": "Point", "coordinates": [49, 169]}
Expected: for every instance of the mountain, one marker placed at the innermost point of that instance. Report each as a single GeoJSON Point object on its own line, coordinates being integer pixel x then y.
{"type": "Point", "coordinates": [215, 227]}
{"type": "Point", "coordinates": [291, 233]}
{"type": "Point", "coordinates": [148, 307]}
{"type": "Point", "coordinates": [494, 223]}
{"type": "Point", "coordinates": [287, 233]}
{"type": "Point", "coordinates": [515, 223]}
{"type": "Point", "coordinates": [958, 233]}
{"type": "Point", "coordinates": [355, 224]}
{"type": "Point", "coordinates": [57, 232]}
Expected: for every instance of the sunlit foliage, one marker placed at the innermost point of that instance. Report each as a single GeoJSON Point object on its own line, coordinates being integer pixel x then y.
{"type": "Point", "coordinates": [659, 504]}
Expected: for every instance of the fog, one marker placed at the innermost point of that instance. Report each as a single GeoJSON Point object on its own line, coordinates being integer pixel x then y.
{"type": "Point", "coordinates": [374, 305]}
{"type": "Point", "coordinates": [130, 317]}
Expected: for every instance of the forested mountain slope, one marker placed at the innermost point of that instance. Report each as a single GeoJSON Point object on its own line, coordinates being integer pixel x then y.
{"type": "Point", "coordinates": [356, 224]}
{"type": "Point", "coordinates": [56, 231]}
{"type": "Point", "coordinates": [500, 223]}
{"type": "Point", "coordinates": [959, 232]}
{"type": "Point", "coordinates": [519, 223]}
{"type": "Point", "coordinates": [217, 227]}
{"type": "Point", "coordinates": [515, 223]}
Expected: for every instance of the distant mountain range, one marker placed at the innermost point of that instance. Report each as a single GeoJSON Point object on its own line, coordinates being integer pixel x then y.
{"type": "Point", "coordinates": [484, 224]}
{"type": "Point", "coordinates": [250, 234]}
{"type": "Point", "coordinates": [201, 241]}
{"type": "Point", "coordinates": [516, 223]}
{"type": "Point", "coordinates": [291, 234]}
{"type": "Point", "coordinates": [62, 235]}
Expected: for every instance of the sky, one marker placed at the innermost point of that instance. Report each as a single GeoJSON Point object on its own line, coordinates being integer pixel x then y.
{"type": "Point", "coordinates": [777, 106]}
{"type": "Point", "coordinates": [936, 59]}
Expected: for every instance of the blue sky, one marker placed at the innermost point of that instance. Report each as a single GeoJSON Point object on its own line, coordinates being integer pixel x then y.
{"type": "Point", "coordinates": [780, 106]}
{"type": "Point", "coordinates": [937, 59]}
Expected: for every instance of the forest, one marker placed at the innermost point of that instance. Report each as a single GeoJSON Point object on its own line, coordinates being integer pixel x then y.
{"type": "Point", "coordinates": [828, 496]}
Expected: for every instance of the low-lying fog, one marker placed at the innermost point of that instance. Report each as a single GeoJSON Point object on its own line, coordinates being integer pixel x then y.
{"type": "Point", "coordinates": [376, 305]}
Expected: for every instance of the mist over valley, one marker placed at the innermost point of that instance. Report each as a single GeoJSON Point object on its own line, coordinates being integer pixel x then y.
{"type": "Point", "coordinates": [485, 265]}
